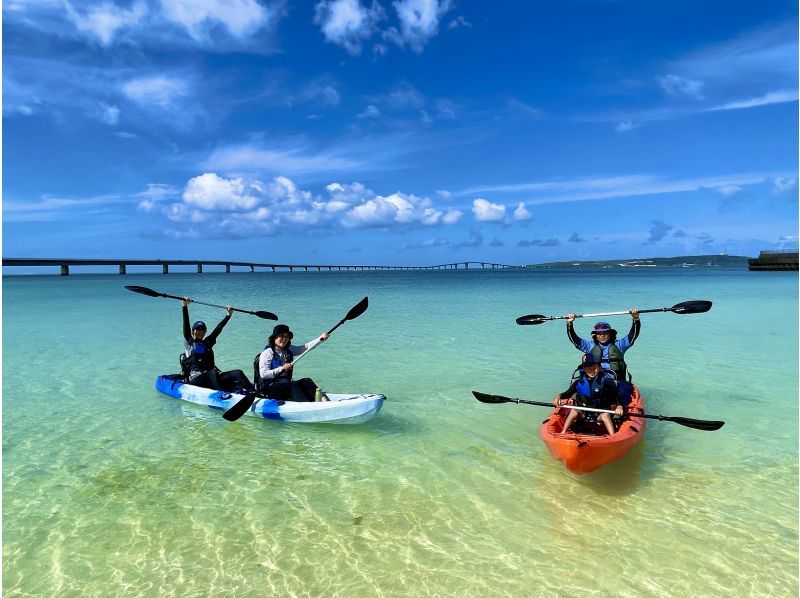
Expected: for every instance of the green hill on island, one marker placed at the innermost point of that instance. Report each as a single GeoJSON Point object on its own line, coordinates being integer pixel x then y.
{"type": "Point", "coordinates": [682, 261]}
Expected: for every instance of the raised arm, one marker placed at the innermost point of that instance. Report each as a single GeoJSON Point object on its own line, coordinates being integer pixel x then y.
{"type": "Point", "coordinates": [212, 338]}
{"type": "Point", "coordinates": [187, 330]}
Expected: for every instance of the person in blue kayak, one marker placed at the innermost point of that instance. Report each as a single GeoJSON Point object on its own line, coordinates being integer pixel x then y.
{"type": "Point", "coordinates": [198, 362]}
{"type": "Point", "coordinates": [608, 349]}
{"type": "Point", "coordinates": [274, 367]}
{"type": "Point", "coordinates": [595, 388]}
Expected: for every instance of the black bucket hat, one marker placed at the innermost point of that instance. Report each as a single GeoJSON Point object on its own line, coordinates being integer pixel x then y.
{"type": "Point", "coordinates": [280, 329]}
{"type": "Point", "coordinates": [589, 359]}
{"type": "Point", "coordinates": [199, 325]}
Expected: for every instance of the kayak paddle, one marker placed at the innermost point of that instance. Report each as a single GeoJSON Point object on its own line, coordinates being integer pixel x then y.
{"type": "Point", "coordinates": [697, 424]}
{"type": "Point", "coordinates": [265, 315]}
{"type": "Point", "coordinates": [240, 408]}
{"type": "Point", "coordinates": [687, 307]}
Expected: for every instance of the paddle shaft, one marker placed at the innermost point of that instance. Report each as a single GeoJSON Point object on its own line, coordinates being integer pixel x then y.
{"type": "Point", "coordinates": [576, 407]}
{"type": "Point", "coordinates": [152, 293]}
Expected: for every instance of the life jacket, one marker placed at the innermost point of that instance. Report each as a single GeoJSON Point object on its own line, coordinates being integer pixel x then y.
{"type": "Point", "coordinates": [615, 360]}
{"type": "Point", "coordinates": [589, 391]}
{"type": "Point", "coordinates": [201, 357]}
{"type": "Point", "coordinates": [277, 361]}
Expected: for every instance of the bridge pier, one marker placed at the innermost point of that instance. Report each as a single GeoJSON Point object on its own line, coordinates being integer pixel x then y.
{"type": "Point", "coordinates": [122, 269]}
{"type": "Point", "coordinates": [273, 268]}
{"type": "Point", "coordinates": [165, 269]}
{"type": "Point", "coordinates": [227, 268]}
{"type": "Point", "coordinates": [64, 270]}
{"type": "Point", "coordinates": [199, 268]}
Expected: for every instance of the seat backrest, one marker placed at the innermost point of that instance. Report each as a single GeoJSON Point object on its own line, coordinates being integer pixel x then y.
{"type": "Point", "coordinates": [257, 382]}
{"type": "Point", "coordinates": [184, 361]}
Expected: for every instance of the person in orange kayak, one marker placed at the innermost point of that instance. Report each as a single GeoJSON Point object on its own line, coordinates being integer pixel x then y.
{"type": "Point", "coordinates": [608, 350]}
{"type": "Point", "coordinates": [594, 388]}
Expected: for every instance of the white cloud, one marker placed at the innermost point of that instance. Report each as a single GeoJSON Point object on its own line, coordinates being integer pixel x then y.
{"type": "Point", "coordinates": [211, 192]}
{"type": "Point", "coordinates": [240, 17]}
{"type": "Point", "coordinates": [774, 97]}
{"type": "Point", "coordinates": [158, 90]}
{"type": "Point", "coordinates": [728, 190]}
{"type": "Point", "coordinates": [370, 112]}
{"type": "Point", "coordinates": [419, 21]}
{"type": "Point", "coordinates": [485, 211]}
{"type": "Point", "coordinates": [781, 185]}
{"type": "Point", "coordinates": [458, 21]}
{"type": "Point", "coordinates": [240, 158]}
{"type": "Point", "coordinates": [675, 85]}
{"type": "Point", "coordinates": [626, 126]}
{"type": "Point", "coordinates": [109, 114]}
{"type": "Point", "coordinates": [104, 20]}
{"type": "Point", "coordinates": [522, 213]}
{"type": "Point", "coordinates": [347, 23]}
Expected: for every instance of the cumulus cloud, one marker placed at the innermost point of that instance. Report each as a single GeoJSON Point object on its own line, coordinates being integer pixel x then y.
{"type": "Point", "coordinates": [262, 207]}
{"type": "Point", "coordinates": [210, 192]}
{"type": "Point", "coordinates": [676, 85]}
{"type": "Point", "coordinates": [419, 21]}
{"type": "Point", "coordinates": [104, 20]}
{"type": "Point", "coordinates": [486, 211]}
{"type": "Point", "coordinates": [576, 238]}
{"type": "Point", "coordinates": [370, 112]}
{"type": "Point", "coordinates": [239, 17]}
{"type": "Point", "coordinates": [347, 22]}
{"type": "Point", "coordinates": [522, 213]}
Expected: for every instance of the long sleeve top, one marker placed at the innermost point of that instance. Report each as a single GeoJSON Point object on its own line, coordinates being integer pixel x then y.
{"type": "Point", "coordinates": [208, 341]}
{"type": "Point", "coordinates": [265, 360]}
{"type": "Point", "coordinates": [623, 344]}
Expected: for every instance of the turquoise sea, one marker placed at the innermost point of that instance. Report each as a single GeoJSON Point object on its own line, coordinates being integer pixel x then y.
{"type": "Point", "coordinates": [110, 489]}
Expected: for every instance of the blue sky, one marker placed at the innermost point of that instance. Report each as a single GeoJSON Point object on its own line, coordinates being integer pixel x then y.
{"type": "Point", "coordinates": [398, 132]}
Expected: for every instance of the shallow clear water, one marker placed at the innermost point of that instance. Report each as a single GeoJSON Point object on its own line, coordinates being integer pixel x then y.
{"type": "Point", "coordinates": [112, 489]}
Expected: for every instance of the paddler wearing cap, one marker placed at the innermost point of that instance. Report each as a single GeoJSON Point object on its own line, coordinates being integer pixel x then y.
{"type": "Point", "coordinates": [275, 366]}
{"type": "Point", "coordinates": [594, 388]}
{"type": "Point", "coordinates": [198, 364]}
{"type": "Point", "coordinates": [606, 347]}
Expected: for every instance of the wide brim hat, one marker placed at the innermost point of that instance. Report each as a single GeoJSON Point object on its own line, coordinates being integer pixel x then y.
{"type": "Point", "coordinates": [280, 329]}
{"type": "Point", "coordinates": [603, 328]}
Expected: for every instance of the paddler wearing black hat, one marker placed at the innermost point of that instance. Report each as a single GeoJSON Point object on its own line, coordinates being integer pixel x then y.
{"type": "Point", "coordinates": [275, 366]}
{"type": "Point", "coordinates": [198, 364]}
{"type": "Point", "coordinates": [608, 349]}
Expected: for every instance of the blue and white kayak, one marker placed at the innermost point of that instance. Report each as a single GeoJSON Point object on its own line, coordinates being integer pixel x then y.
{"type": "Point", "coordinates": [339, 409]}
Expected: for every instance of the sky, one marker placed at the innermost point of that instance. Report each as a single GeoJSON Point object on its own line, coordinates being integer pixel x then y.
{"type": "Point", "coordinates": [398, 132]}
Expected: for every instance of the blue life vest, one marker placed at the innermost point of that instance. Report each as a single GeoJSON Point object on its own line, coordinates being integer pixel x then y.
{"type": "Point", "coordinates": [589, 391]}
{"type": "Point", "coordinates": [277, 361]}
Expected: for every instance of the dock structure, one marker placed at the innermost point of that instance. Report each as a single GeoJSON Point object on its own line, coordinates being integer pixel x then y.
{"type": "Point", "coordinates": [123, 264]}
{"type": "Point", "coordinates": [774, 260]}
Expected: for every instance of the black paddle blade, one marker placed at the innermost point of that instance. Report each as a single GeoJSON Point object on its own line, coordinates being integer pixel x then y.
{"type": "Point", "coordinates": [358, 309]}
{"type": "Point", "coordinates": [240, 408]}
{"type": "Point", "coordinates": [144, 291]}
{"type": "Point", "coordinates": [484, 398]}
{"type": "Point", "coordinates": [265, 315]}
{"type": "Point", "coordinates": [532, 319]}
{"type": "Point", "coordinates": [697, 424]}
{"type": "Point", "coordinates": [691, 307]}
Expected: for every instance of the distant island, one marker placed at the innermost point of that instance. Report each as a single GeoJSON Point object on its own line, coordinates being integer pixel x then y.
{"type": "Point", "coordinates": [681, 261]}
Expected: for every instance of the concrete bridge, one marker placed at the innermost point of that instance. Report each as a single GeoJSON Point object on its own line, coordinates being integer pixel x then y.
{"type": "Point", "coordinates": [65, 264]}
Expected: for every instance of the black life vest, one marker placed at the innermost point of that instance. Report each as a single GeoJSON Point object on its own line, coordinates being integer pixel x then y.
{"type": "Point", "coordinates": [590, 392]}
{"type": "Point", "coordinates": [201, 356]}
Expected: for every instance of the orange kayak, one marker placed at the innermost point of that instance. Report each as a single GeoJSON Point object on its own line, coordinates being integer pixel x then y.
{"type": "Point", "coordinates": [585, 453]}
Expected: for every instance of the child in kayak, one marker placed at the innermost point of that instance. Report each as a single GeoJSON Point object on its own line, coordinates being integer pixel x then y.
{"type": "Point", "coordinates": [274, 369]}
{"type": "Point", "coordinates": [594, 388]}
{"type": "Point", "coordinates": [608, 350]}
{"type": "Point", "coordinates": [198, 362]}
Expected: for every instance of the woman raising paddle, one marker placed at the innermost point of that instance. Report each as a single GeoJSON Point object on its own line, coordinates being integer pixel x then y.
{"type": "Point", "coordinates": [198, 361]}
{"type": "Point", "coordinates": [275, 366]}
